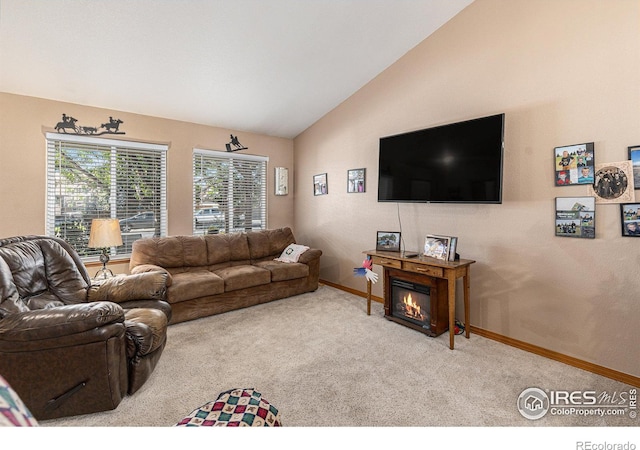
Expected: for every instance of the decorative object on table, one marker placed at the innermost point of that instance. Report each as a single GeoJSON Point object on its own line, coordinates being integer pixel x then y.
{"type": "Point", "coordinates": [436, 246]}
{"type": "Point", "coordinates": [576, 217]}
{"type": "Point", "coordinates": [366, 270]}
{"type": "Point", "coordinates": [105, 233]}
{"type": "Point", "coordinates": [634, 157]}
{"type": "Point", "coordinates": [630, 219]}
{"type": "Point", "coordinates": [388, 241]}
{"type": "Point", "coordinates": [355, 180]}
{"type": "Point", "coordinates": [453, 248]}
{"type": "Point", "coordinates": [574, 164]}
{"type": "Point", "coordinates": [281, 181]}
{"type": "Point", "coordinates": [320, 184]}
{"type": "Point", "coordinates": [234, 145]}
{"type": "Point", "coordinates": [234, 408]}
{"type": "Point", "coordinates": [69, 123]}
{"type": "Point", "coordinates": [613, 183]}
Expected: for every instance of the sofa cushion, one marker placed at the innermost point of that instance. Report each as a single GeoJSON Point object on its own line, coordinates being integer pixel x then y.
{"type": "Point", "coordinates": [269, 243]}
{"type": "Point", "coordinates": [241, 277]}
{"type": "Point", "coordinates": [285, 271]}
{"type": "Point", "coordinates": [195, 284]}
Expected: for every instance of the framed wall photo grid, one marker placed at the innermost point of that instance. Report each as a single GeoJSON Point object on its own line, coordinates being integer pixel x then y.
{"type": "Point", "coordinates": [576, 217]}
{"type": "Point", "coordinates": [574, 164]}
{"type": "Point", "coordinates": [630, 219]}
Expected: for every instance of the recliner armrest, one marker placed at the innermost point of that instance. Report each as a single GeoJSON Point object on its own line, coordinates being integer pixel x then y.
{"type": "Point", "coordinates": [59, 321]}
{"type": "Point", "coordinates": [142, 286]}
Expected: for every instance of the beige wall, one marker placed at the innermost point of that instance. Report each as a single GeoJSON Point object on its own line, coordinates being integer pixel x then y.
{"type": "Point", "coordinates": [23, 121]}
{"type": "Point", "coordinates": [564, 72]}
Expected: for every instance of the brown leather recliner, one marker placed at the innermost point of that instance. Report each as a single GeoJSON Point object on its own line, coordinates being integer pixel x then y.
{"type": "Point", "coordinates": [69, 346]}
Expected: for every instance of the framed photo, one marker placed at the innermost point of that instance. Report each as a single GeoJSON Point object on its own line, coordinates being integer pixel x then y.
{"type": "Point", "coordinates": [437, 246]}
{"type": "Point", "coordinates": [630, 219]}
{"type": "Point", "coordinates": [576, 217]}
{"type": "Point", "coordinates": [320, 184]}
{"type": "Point", "coordinates": [388, 241]}
{"type": "Point", "coordinates": [634, 157]}
{"type": "Point", "coordinates": [355, 180]}
{"type": "Point", "coordinates": [574, 164]}
{"type": "Point", "coordinates": [613, 183]}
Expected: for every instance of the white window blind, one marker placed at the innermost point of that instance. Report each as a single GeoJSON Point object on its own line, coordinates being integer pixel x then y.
{"type": "Point", "coordinates": [229, 192]}
{"type": "Point", "coordinates": [90, 178]}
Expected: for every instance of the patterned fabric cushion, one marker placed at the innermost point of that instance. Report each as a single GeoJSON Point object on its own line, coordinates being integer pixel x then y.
{"type": "Point", "coordinates": [13, 412]}
{"type": "Point", "coordinates": [234, 408]}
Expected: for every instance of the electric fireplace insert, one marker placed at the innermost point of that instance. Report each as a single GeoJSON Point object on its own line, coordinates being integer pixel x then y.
{"type": "Point", "coordinates": [416, 301]}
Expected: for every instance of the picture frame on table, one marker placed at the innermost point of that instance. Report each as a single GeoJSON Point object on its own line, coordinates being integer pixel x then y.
{"type": "Point", "coordinates": [436, 246]}
{"type": "Point", "coordinates": [630, 219]}
{"type": "Point", "coordinates": [388, 241]}
{"type": "Point", "coordinates": [320, 186]}
{"type": "Point", "coordinates": [356, 180]}
{"type": "Point", "coordinates": [575, 217]}
{"type": "Point", "coordinates": [574, 164]}
{"type": "Point", "coordinates": [634, 157]}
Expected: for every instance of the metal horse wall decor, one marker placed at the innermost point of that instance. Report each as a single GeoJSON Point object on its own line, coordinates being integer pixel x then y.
{"type": "Point", "coordinates": [235, 145]}
{"type": "Point", "coordinates": [69, 123]}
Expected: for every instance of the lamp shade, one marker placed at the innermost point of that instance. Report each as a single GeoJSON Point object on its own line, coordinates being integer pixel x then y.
{"type": "Point", "coordinates": [105, 233]}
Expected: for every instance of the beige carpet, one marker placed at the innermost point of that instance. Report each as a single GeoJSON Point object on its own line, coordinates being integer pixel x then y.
{"type": "Point", "coordinates": [323, 362]}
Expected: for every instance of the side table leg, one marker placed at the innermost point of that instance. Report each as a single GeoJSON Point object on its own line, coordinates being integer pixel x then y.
{"type": "Point", "coordinates": [467, 318]}
{"type": "Point", "coordinates": [368, 297]}
{"type": "Point", "coordinates": [451, 284]}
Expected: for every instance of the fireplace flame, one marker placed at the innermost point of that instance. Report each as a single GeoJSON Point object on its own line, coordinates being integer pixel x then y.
{"type": "Point", "coordinates": [411, 308]}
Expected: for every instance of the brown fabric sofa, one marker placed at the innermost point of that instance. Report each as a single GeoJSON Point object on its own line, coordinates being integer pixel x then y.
{"type": "Point", "coordinates": [217, 273]}
{"type": "Point", "coordinates": [69, 346]}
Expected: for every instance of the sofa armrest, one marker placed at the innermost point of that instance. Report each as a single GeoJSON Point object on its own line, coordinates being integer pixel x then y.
{"type": "Point", "coordinates": [143, 268]}
{"type": "Point", "coordinates": [310, 255]}
{"type": "Point", "coordinates": [59, 321]}
{"type": "Point", "coordinates": [142, 286]}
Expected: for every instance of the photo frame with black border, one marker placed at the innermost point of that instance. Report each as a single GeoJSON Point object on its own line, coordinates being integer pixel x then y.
{"type": "Point", "coordinates": [630, 219]}
{"type": "Point", "coordinates": [388, 241]}
{"type": "Point", "coordinates": [320, 186]}
{"type": "Point", "coordinates": [356, 180]}
{"type": "Point", "coordinates": [634, 157]}
{"type": "Point", "coordinates": [574, 164]}
{"type": "Point", "coordinates": [576, 217]}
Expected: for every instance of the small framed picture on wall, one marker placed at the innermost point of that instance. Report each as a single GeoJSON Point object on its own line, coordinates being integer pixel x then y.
{"type": "Point", "coordinates": [355, 180]}
{"type": "Point", "coordinates": [320, 184]}
{"type": "Point", "coordinates": [634, 156]}
{"type": "Point", "coordinates": [576, 217]}
{"type": "Point", "coordinates": [574, 164]}
{"type": "Point", "coordinates": [630, 219]}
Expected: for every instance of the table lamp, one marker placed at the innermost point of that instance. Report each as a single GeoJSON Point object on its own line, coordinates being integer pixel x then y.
{"type": "Point", "coordinates": [105, 233]}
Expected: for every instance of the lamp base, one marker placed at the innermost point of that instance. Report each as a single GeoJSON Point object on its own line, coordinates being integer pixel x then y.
{"type": "Point", "coordinates": [104, 273]}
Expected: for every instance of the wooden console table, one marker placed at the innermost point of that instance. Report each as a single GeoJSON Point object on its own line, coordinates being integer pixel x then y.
{"type": "Point", "coordinates": [432, 267]}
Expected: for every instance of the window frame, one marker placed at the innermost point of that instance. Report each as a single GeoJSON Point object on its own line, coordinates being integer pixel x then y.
{"type": "Point", "coordinates": [227, 208]}
{"type": "Point", "coordinates": [115, 147]}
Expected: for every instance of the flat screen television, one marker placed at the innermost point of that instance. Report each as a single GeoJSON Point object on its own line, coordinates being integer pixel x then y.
{"type": "Point", "coordinates": [455, 163]}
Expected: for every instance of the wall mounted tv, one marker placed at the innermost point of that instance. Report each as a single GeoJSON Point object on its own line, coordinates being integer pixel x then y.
{"type": "Point", "coordinates": [455, 163]}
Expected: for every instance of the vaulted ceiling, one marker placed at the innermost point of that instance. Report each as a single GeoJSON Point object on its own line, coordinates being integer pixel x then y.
{"type": "Point", "coordinates": [266, 66]}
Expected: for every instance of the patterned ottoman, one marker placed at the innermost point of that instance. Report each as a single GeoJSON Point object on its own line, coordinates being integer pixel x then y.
{"type": "Point", "coordinates": [234, 408]}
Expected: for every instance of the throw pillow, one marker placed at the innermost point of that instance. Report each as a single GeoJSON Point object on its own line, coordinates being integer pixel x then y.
{"type": "Point", "coordinates": [292, 253]}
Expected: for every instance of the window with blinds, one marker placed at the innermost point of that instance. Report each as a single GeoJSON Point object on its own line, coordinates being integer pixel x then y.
{"type": "Point", "coordinates": [91, 178]}
{"type": "Point", "coordinates": [229, 192]}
